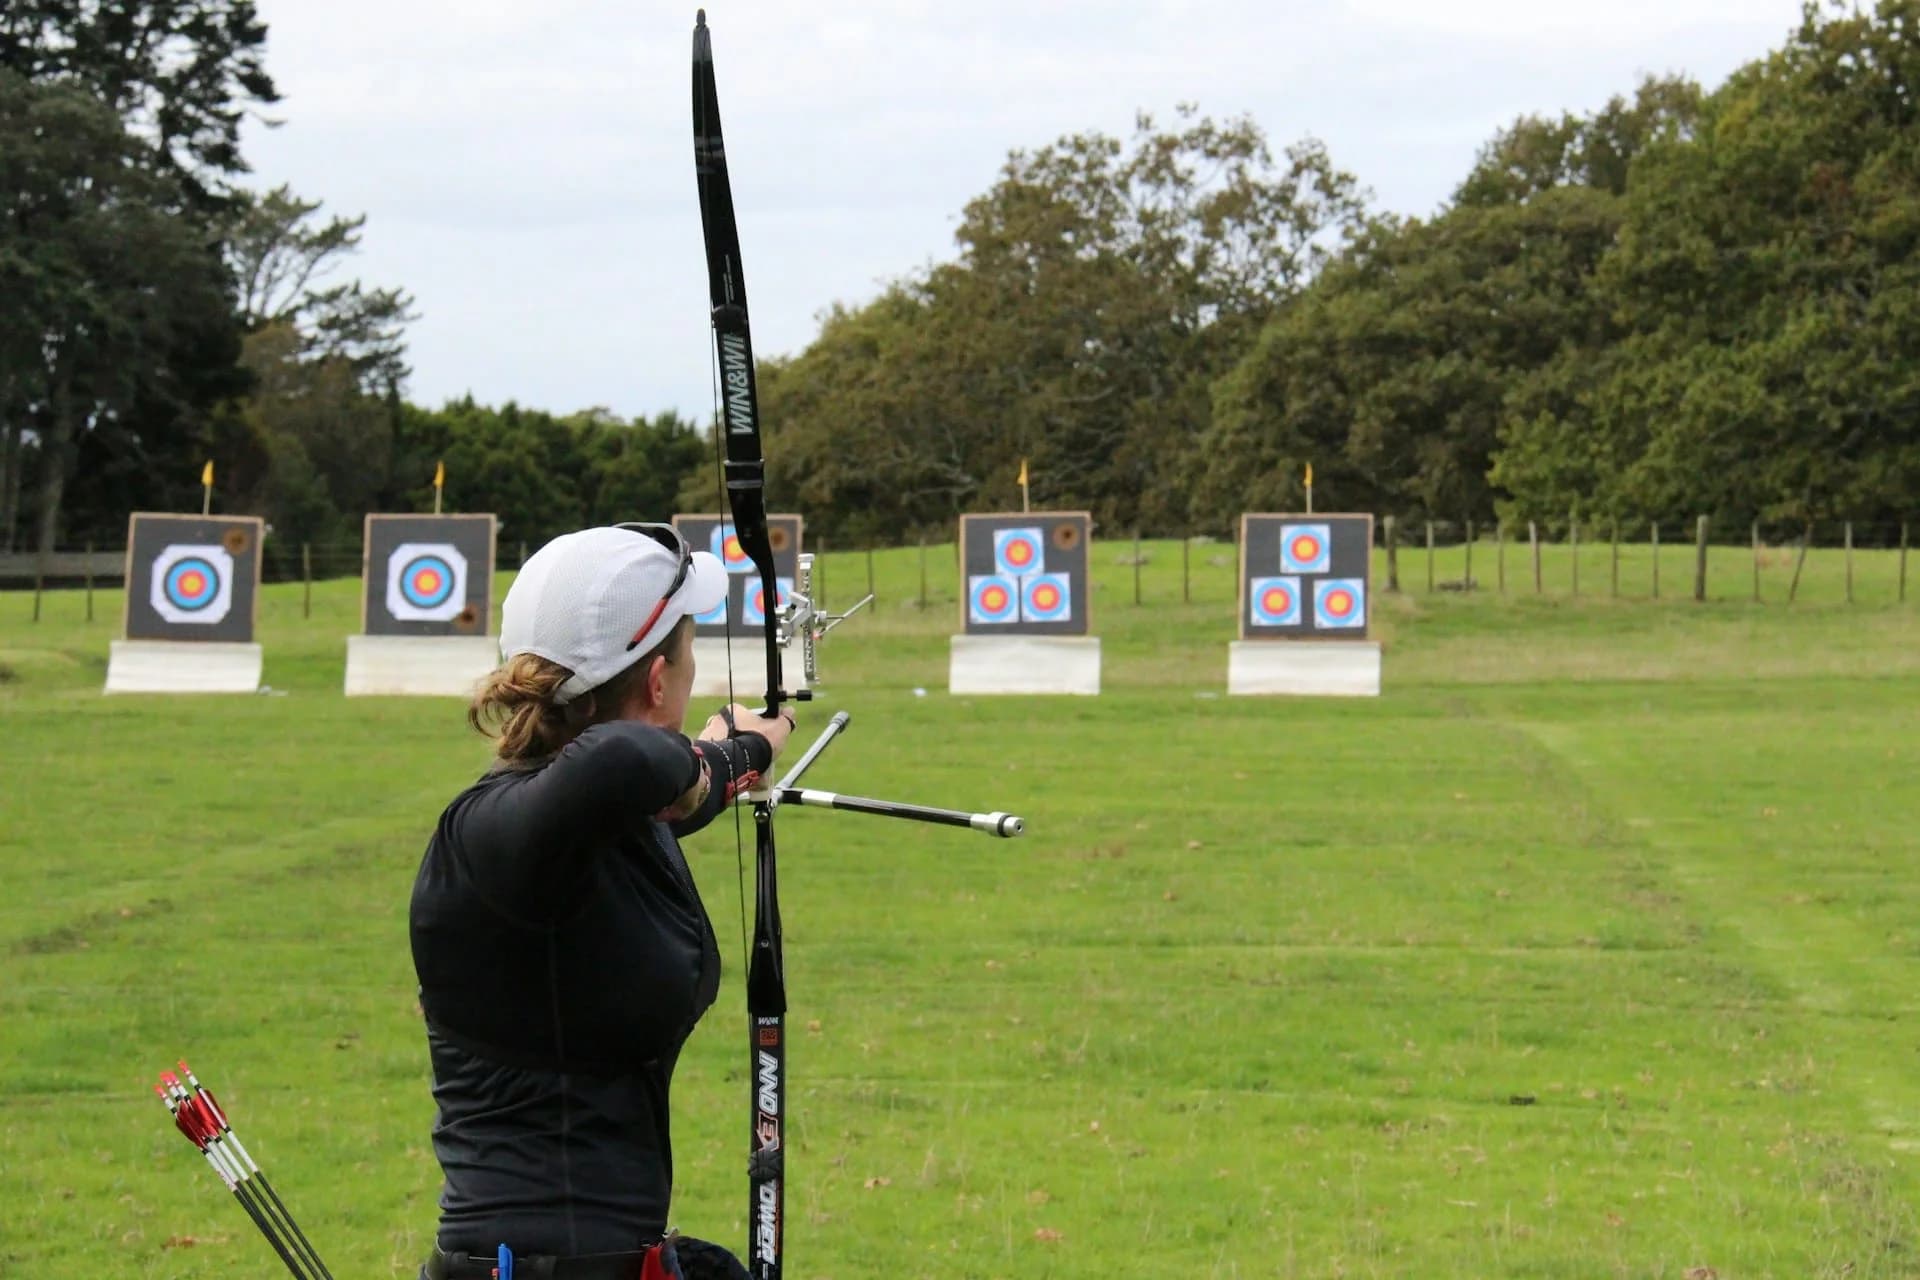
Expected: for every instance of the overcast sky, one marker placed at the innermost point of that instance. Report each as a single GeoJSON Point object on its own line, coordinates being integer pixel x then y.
{"type": "Point", "coordinates": [526, 165]}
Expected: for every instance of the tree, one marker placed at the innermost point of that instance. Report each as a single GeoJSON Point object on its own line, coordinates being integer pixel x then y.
{"type": "Point", "coordinates": [179, 73]}
{"type": "Point", "coordinates": [1099, 288]}
{"type": "Point", "coordinates": [112, 289]}
{"type": "Point", "coordinates": [1767, 281]}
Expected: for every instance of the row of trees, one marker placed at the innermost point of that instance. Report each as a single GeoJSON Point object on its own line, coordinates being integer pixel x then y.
{"type": "Point", "coordinates": [1687, 300]}
{"type": "Point", "coordinates": [1684, 301]}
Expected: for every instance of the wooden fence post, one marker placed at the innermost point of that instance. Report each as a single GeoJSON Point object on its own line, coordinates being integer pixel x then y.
{"type": "Point", "coordinates": [923, 572]}
{"type": "Point", "coordinates": [1756, 562]}
{"type": "Point", "coordinates": [1700, 560]}
{"type": "Point", "coordinates": [1429, 557]}
{"type": "Point", "coordinates": [1393, 557]}
{"type": "Point", "coordinates": [1533, 540]}
{"type": "Point", "coordinates": [89, 582]}
{"type": "Point", "coordinates": [1848, 526]}
{"type": "Point", "coordinates": [1500, 553]}
{"type": "Point", "coordinates": [1136, 566]}
{"type": "Point", "coordinates": [1468, 584]}
{"type": "Point", "coordinates": [1656, 559]}
{"type": "Point", "coordinates": [306, 579]}
{"type": "Point", "coordinates": [1573, 547]}
{"type": "Point", "coordinates": [1186, 569]}
{"type": "Point", "coordinates": [523, 555]}
{"type": "Point", "coordinates": [869, 568]}
{"type": "Point", "coordinates": [1903, 562]}
{"type": "Point", "coordinates": [1614, 590]}
{"type": "Point", "coordinates": [1800, 562]}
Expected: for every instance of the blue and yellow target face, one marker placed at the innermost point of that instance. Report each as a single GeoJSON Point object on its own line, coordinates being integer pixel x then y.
{"type": "Point", "coordinates": [1305, 548]}
{"type": "Point", "coordinates": [1017, 552]}
{"type": "Point", "coordinates": [725, 545]}
{"type": "Point", "coordinates": [192, 583]}
{"type": "Point", "coordinates": [426, 582]}
{"type": "Point", "coordinates": [1339, 603]}
{"type": "Point", "coordinates": [1274, 602]}
{"type": "Point", "coordinates": [754, 611]}
{"type": "Point", "coordinates": [1046, 597]}
{"type": "Point", "coordinates": [993, 599]}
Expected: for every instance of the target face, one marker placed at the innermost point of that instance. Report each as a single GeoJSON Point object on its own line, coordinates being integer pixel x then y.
{"type": "Point", "coordinates": [725, 544]}
{"type": "Point", "coordinates": [426, 582]}
{"type": "Point", "coordinates": [993, 600]}
{"type": "Point", "coordinates": [1016, 552]}
{"type": "Point", "coordinates": [192, 583]}
{"type": "Point", "coordinates": [714, 617]}
{"type": "Point", "coordinates": [1305, 548]}
{"type": "Point", "coordinates": [1046, 597]}
{"type": "Point", "coordinates": [754, 613]}
{"type": "Point", "coordinates": [1274, 602]}
{"type": "Point", "coordinates": [1339, 603]}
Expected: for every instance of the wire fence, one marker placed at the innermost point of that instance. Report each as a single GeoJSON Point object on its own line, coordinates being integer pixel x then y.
{"type": "Point", "coordinates": [1837, 561]}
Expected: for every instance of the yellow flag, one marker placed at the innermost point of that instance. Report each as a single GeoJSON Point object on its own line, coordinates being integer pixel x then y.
{"type": "Point", "coordinates": [1309, 475]}
{"type": "Point", "coordinates": [1023, 471]}
{"type": "Point", "coordinates": [206, 475]}
{"type": "Point", "coordinates": [440, 474]}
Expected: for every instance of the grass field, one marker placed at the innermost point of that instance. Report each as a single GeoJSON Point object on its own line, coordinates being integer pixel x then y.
{"type": "Point", "coordinates": [1591, 949]}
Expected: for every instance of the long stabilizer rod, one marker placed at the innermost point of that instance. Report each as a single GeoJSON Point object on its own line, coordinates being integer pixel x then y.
{"type": "Point", "coordinates": [1004, 825]}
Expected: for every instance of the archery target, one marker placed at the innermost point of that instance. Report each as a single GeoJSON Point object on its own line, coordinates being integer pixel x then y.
{"type": "Point", "coordinates": [754, 612]}
{"type": "Point", "coordinates": [426, 582]}
{"type": "Point", "coordinates": [993, 599]}
{"type": "Point", "coordinates": [1274, 602]}
{"type": "Point", "coordinates": [192, 583]}
{"type": "Point", "coordinates": [725, 545]}
{"type": "Point", "coordinates": [1017, 553]}
{"type": "Point", "coordinates": [1305, 548]}
{"type": "Point", "coordinates": [1046, 597]}
{"type": "Point", "coordinates": [1339, 603]}
{"type": "Point", "coordinates": [714, 617]}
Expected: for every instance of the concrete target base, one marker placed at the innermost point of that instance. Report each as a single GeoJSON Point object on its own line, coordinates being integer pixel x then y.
{"type": "Point", "coordinates": [1327, 668]}
{"type": "Point", "coordinates": [177, 666]}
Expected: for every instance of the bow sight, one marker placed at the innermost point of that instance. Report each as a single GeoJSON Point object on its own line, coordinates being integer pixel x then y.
{"type": "Point", "coordinates": [800, 619]}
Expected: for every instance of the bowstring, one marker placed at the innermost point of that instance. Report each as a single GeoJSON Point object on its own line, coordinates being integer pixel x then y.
{"type": "Point", "coordinates": [725, 508]}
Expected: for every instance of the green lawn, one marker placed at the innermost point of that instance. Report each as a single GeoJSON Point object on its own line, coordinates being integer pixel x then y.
{"type": "Point", "coordinates": [1590, 949]}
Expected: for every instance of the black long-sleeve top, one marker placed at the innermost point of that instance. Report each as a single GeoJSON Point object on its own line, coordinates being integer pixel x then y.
{"type": "Point", "coordinates": [564, 956]}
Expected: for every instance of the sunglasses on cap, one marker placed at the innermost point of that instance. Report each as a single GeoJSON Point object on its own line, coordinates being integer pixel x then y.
{"type": "Point", "coordinates": [669, 537]}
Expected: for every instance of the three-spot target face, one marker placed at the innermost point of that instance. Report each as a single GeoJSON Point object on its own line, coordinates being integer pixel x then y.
{"type": "Point", "coordinates": [426, 582]}
{"type": "Point", "coordinates": [1339, 603]}
{"type": "Point", "coordinates": [1305, 548]}
{"type": "Point", "coordinates": [993, 599]}
{"type": "Point", "coordinates": [753, 612]}
{"type": "Point", "coordinates": [1274, 602]}
{"type": "Point", "coordinates": [725, 545]}
{"type": "Point", "coordinates": [1016, 552]}
{"type": "Point", "coordinates": [192, 583]}
{"type": "Point", "coordinates": [1046, 597]}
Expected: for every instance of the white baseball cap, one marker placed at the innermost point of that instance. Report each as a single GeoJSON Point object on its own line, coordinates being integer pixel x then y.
{"type": "Point", "coordinates": [599, 600]}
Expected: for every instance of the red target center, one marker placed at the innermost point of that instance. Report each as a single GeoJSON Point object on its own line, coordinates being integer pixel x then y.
{"type": "Point", "coordinates": [1046, 596]}
{"type": "Point", "coordinates": [192, 583]}
{"type": "Point", "coordinates": [1339, 603]}
{"type": "Point", "coordinates": [1277, 600]}
{"type": "Point", "coordinates": [1306, 548]}
{"type": "Point", "coordinates": [731, 548]}
{"type": "Point", "coordinates": [1020, 552]}
{"type": "Point", "coordinates": [426, 582]}
{"type": "Point", "coordinates": [994, 598]}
